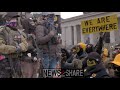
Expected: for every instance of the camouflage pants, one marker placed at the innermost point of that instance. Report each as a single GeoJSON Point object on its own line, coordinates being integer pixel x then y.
{"type": "Point", "coordinates": [17, 68]}
{"type": "Point", "coordinates": [5, 71]}
{"type": "Point", "coordinates": [29, 69]}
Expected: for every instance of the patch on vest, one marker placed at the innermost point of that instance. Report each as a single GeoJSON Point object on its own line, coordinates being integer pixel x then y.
{"type": "Point", "coordinates": [17, 38]}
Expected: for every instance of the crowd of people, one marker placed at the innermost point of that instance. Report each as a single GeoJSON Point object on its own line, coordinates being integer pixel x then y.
{"type": "Point", "coordinates": [95, 60]}
{"type": "Point", "coordinates": [28, 45]}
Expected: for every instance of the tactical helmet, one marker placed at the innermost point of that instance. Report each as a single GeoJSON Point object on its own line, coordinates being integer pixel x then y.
{"type": "Point", "coordinates": [11, 15]}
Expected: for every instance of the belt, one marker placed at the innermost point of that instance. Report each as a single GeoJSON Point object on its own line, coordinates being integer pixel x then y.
{"type": "Point", "coordinates": [27, 59]}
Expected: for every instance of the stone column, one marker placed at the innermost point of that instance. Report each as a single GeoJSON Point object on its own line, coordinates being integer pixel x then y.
{"type": "Point", "coordinates": [68, 36]}
{"type": "Point", "coordinates": [63, 36]}
{"type": "Point", "coordinates": [91, 38]}
{"type": "Point", "coordinates": [82, 37]}
{"type": "Point", "coordinates": [75, 35]}
{"type": "Point", "coordinates": [112, 37]}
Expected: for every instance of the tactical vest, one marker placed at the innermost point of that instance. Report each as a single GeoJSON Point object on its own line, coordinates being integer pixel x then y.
{"type": "Point", "coordinates": [12, 37]}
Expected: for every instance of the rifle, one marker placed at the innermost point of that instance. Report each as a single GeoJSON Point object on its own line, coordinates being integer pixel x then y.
{"type": "Point", "coordinates": [39, 56]}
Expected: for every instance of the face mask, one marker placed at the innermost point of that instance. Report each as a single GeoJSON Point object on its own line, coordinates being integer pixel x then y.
{"type": "Point", "coordinates": [12, 23]}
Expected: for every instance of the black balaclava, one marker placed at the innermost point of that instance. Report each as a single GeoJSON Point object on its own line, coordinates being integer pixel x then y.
{"type": "Point", "coordinates": [80, 52]}
{"type": "Point", "coordinates": [89, 48]}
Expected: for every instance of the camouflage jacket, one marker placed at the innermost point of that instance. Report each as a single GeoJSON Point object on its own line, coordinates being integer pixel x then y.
{"type": "Point", "coordinates": [9, 39]}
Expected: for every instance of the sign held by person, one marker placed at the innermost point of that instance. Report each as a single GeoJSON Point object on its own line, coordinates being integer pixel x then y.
{"type": "Point", "coordinates": [102, 24]}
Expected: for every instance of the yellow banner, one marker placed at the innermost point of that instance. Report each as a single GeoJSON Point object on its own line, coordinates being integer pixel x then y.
{"type": "Point", "coordinates": [102, 24]}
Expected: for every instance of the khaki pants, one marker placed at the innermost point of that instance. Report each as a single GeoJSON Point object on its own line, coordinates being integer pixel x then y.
{"type": "Point", "coordinates": [30, 69]}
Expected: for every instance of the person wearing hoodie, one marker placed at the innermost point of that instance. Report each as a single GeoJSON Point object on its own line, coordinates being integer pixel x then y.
{"type": "Point", "coordinates": [13, 44]}
{"type": "Point", "coordinates": [66, 59]}
{"type": "Point", "coordinates": [44, 39]}
{"type": "Point", "coordinates": [74, 61]}
{"type": "Point", "coordinates": [97, 48]}
{"type": "Point", "coordinates": [93, 66]}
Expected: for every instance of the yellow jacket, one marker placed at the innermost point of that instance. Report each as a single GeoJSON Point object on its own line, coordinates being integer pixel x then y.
{"type": "Point", "coordinates": [104, 54]}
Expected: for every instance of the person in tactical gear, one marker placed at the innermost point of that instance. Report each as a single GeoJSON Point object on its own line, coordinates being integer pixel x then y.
{"type": "Point", "coordinates": [44, 34]}
{"type": "Point", "coordinates": [28, 23]}
{"type": "Point", "coordinates": [30, 63]}
{"type": "Point", "coordinates": [12, 44]}
{"type": "Point", "coordinates": [93, 66]}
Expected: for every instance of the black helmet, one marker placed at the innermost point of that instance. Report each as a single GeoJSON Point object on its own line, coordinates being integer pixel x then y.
{"type": "Point", "coordinates": [11, 15]}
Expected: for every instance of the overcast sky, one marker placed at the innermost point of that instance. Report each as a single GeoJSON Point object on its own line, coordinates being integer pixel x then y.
{"type": "Point", "coordinates": [66, 15]}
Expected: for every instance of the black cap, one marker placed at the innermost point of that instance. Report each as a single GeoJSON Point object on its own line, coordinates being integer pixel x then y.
{"type": "Point", "coordinates": [12, 14]}
{"type": "Point", "coordinates": [95, 56]}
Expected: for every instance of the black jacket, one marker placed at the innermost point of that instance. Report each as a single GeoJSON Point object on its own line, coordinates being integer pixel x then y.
{"type": "Point", "coordinates": [99, 72]}
{"type": "Point", "coordinates": [27, 26]}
